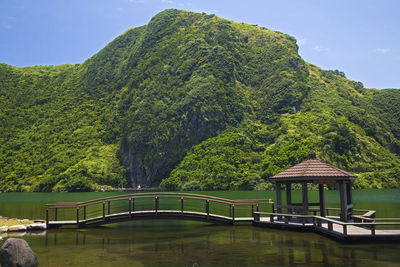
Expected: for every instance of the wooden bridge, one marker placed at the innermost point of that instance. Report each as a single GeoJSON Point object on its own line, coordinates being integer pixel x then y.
{"type": "Point", "coordinates": [182, 206]}
{"type": "Point", "coordinates": [163, 205]}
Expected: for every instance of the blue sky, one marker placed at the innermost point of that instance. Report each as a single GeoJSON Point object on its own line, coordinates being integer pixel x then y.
{"type": "Point", "coordinates": [358, 37]}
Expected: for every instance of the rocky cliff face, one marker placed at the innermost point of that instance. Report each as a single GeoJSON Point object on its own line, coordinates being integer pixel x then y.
{"type": "Point", "coordinates": [194, 75]}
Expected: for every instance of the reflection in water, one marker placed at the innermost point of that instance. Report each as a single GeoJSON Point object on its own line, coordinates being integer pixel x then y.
{"type": "Point", "coordinates": [187, 244]}
{"type": "Point", "coordinates": [176, 243]}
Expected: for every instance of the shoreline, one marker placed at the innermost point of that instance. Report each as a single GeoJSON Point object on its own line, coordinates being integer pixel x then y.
{"type": "Point", "coordinates": [8, 225]}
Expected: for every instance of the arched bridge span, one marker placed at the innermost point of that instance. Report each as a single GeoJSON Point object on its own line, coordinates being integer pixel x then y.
{"type": "Point", "coordinates": [151, 206]}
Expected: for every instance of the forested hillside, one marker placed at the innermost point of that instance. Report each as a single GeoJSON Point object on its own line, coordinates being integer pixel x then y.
{"type": "Point", "coordinates": [190, 101]}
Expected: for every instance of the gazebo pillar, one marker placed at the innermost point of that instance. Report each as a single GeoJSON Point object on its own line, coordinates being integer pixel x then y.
{"type": "Point", "coordinates": [345, 200]}
{"type": "Point", "coordinates": [305, 198]}
{"type": "Point", "coordinates": [349, 198]}
{"type": "Point", "coordinates": [289, 197]}
{"type": "Point", "coordinates": [321, 200]}
{"type": "Point", "coordinates": [349, 194]}
{"type": "Point", "coordinates": [278, 197]}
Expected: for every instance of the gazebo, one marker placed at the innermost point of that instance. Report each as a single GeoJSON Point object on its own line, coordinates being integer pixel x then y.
{"type": "Point", "coordinates": [316, 172]}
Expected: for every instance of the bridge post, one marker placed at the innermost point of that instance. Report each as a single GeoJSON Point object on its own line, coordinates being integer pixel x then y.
{"type": "Point", "coordinates": [84, 212]}
{"type": "Point", "coordinates": [372, 229]}
{"type": "Point", "coordinates": [233, 213]}
{"type": "Point", "coordinates": [104, 211]}
{"type": "Point", "coordinates": [257, 207]}
{"type": "Point", "coordinates": [256, 217]}
{"type": "Point", "coordinates": [133, 204]}
{"type": "Point", "coordinates": [47, 218]}
{"type": "Point", "coordinates": [230, 210]}
{"type": "Point", "coordinates": [130, 207]}
{"type": "Point", "coordinates": [157, 205]}
{"type": "Point", "coordinates": [252, 210]}
{"type": "Point", "coordinates": [330, 226]}
{"type": "Point", "coordinates": [208, 208]}
{"type": "Point", "coordinates": [56, 214]}
{"type": "Point", "coordinates": [182, 205]}
{"type": "Point", "coordinates": [77, 216]}
{"type": "Point", "coordinates": [109, 207]}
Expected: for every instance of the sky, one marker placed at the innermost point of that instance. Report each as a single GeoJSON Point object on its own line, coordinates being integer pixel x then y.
{"type": "Point", "coordinates": [359, 37]}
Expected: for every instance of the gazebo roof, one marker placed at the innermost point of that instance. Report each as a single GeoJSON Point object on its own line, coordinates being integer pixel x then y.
{"type": "Point", "coordinates": [312, 170]}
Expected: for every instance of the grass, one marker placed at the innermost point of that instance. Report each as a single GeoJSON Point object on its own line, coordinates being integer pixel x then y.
{"type": "Point", "coordinates": [10, 222]}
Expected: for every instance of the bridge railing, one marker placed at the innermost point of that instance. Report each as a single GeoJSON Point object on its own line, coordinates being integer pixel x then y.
{"type": "Point", "coordinates": [161, 201]}
{"type": "Point", "coordinates": [327, 223]}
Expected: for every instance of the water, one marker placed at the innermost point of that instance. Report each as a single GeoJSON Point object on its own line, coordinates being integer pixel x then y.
{"type": "Point", "coordinates": [184, 243]}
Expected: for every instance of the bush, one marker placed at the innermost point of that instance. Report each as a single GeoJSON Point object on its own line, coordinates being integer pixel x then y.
{"type": "Point", "coordinates": [191, 186]}
{"type": "Point", "coordinates": [80, 184]}
{"type": "Point", "coordinates": [264, 186]}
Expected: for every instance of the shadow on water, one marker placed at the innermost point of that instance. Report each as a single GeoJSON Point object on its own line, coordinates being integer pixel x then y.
{"type": "Point", "coordinates": [177, 243]}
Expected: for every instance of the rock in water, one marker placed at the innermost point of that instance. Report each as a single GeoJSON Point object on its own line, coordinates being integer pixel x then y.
{"type": "Point", "coordinates": [16, 252]}
{"type": "Point", "coordinates": [37, 226]}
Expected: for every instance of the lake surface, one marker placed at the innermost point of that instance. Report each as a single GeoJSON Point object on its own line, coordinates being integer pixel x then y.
{"type": "Point", "coordinates": [183, 243]}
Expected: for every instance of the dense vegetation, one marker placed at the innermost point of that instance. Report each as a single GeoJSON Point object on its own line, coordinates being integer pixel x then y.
{"type": "Point", "coordinates": [191, 101]}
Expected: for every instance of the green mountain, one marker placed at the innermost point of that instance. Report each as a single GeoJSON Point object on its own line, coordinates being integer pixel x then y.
{"type": "Point", "coordinates": [190, 101]}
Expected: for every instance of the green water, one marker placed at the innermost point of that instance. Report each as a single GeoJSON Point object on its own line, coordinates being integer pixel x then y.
{"type": "Point", "coordinates": [183, 243]}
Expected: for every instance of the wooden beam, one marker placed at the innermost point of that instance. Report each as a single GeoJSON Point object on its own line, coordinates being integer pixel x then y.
{"type": "Point", "coordinates": [324, 182]}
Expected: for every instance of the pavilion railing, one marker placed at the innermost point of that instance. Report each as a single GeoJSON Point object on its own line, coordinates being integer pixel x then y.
{"type": "Point", "coordinates": [298, 209]}
{"type": "Point", "coordinates": [325, 223]}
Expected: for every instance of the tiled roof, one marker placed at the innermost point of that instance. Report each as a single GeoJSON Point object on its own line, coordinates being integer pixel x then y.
{"type": "Point", "coordinates": [313, 168]}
